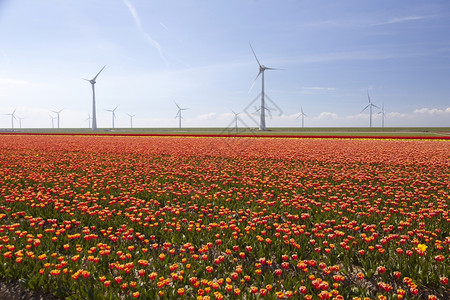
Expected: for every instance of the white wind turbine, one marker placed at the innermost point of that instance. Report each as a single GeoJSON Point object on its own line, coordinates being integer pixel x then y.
{"type": "Point", "coordinates": [113, 111]}
{"type": "Point", "coordinates": [262, 68]}
{"type": "Point", "coordinates": [89, 120]}
{"type": "Point", "coordinates": [303, 115]}
{"type": "Point", "coordinates": [12, 118]}
{"type": "Point", "coordinates": [370, 105]}
{"type": "Point", "coordinates": [178, 115]}
{"type": "Point", "coordinates": [20, 121]}
{"type": "Point", "coordinates": [94, 115]}
{"type": "Point", "coordinates": [383, 115]}
{"type": "Point", "coordinates": [131, 120]}
{"type": "Point", "coordinates": [235, 120]}
{"type": "Point", "coordinates": [57, 115]}
{"type": "Point", "coordinates": [53, 119]}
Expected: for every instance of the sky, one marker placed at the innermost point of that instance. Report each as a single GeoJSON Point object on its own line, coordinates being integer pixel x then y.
{"type": "Point", "coordinates": [331, 56]}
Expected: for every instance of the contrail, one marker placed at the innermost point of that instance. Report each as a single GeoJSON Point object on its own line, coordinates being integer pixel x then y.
{"type": "Point", "coordinates": [138, 23]}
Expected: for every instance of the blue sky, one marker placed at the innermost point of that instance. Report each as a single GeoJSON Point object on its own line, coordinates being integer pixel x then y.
{"type": "Point", "coordinates": [197, 53]}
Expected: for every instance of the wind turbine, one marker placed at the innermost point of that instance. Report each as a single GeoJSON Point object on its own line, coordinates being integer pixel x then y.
{"type": "Point", "coordinates": [94, 115]}
{"type": "Point", "coordinates": [303, 115]}
{"type": "Point", "coordinates": [262, 68]}
{"type": "Point", "coordinates": [20, 121]}
{"type": "Point", "coordinates": [53, 118]}
{"type": "Point", "coordinates": [178, 115]}
{"type": "Point", "coordinates": [113, 114]}
{"type": "Point", "coordinates": [131, 120]}
{"type": "Point", "coordinates": [383, 115]}
{"type": "Point", "coordinates": [370, 105]}
{"type": "Point", "coordinates": [89, 119]}
{"type": "Point", "coordinates": [57, 113]}
{"type": "Point", "coordinates": [12, 118]}
{"type": "Point", "coordinates": [235, 119]}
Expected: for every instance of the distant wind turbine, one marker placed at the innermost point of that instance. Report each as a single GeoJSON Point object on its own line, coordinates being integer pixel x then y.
{"type": "Point", "coordinates": [383, 115]}
{"type": "Point", "coordinates": [370, 105]}
{"type": "Point", "coordinates": [303, 115]}
{"type": "Point", "coordinates": [94, 115]}
{"type": "Point", "coordinates": [89, 120]}
{"type": "Point", "coordinates": [20, 121]}
{"type": "Point", "coordinates": [12, 118]}
{"type": "Point", "coordinates": [57, 115]}
{"type": "Point", "coordinates": [262, 68]}
{"type": "Point", "coordinates": [178, 115]}
{"type": "Point", "coordinates": [113, 111]}
{"type": "Point", "coordinates": [235, 120]}
{"type": "Point", "coordinates": [131, 120]}
{"type": "Point", "coordinates": [53, 119]}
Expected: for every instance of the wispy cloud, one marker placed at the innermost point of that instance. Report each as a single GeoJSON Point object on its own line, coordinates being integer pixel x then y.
{"type": "Point", "coordinates": [432, 111]}
{"type": "Point", "coordinates": [396, 115]}
{"type": "Point", "coordinates": [207, 116]}
{"type": "Point", "coordinates": [319, 88]}
{"type": "Point", "coordinates": [6, 81]}
{"type": "Point", "coordinates": [326, 114]}
{"type": "Point", "coordinates": [137, 22]}
{"type": "Point", "coordinates": [402, 20]}
{"type": "Point", "coordinates": [368, 54]}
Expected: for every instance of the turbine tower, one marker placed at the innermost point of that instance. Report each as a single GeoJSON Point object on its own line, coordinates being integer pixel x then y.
{"type": "Point", "coordinates": [57, 115]}
{"type": "Point", "coordinates": [178, 115]}
{"type": "Point", "coordinates": [262, 68]}
{"type": "Point", "coordinates": [131, 120]}
{"type": "Point", "coordinates": [370, 105]}
{"type": "Point", "coordinates": [94, 115]}
{"type": "Point", "coordinates": [12, 118]}
{"type": "Point", "coordinates": [383, 115]}
{"type": "Point", "coordinates": [303, 115]}
{"type": "Point", "coordinates": [113, 111]}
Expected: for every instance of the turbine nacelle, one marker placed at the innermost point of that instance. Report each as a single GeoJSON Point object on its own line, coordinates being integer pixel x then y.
{"type": "Point", "coordinates": [92, 81]}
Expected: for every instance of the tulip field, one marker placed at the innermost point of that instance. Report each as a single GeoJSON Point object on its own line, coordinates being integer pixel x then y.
{"type": "Point", "coordinates": [126, 217]}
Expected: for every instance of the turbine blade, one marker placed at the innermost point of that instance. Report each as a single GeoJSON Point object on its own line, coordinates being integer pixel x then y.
{"type": "Point", "coordinates": [272, 69]}
{"type": "Point", "coordinates": [177, 105]}
{"type": "Point", "coordinates": [98, 73]}
{"type": "Point", "coordinates": [254, 81]}
{"type": "Point", "coordinates": [365, 108]}
{"type": "Point", "coordinates": [254, 54]}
